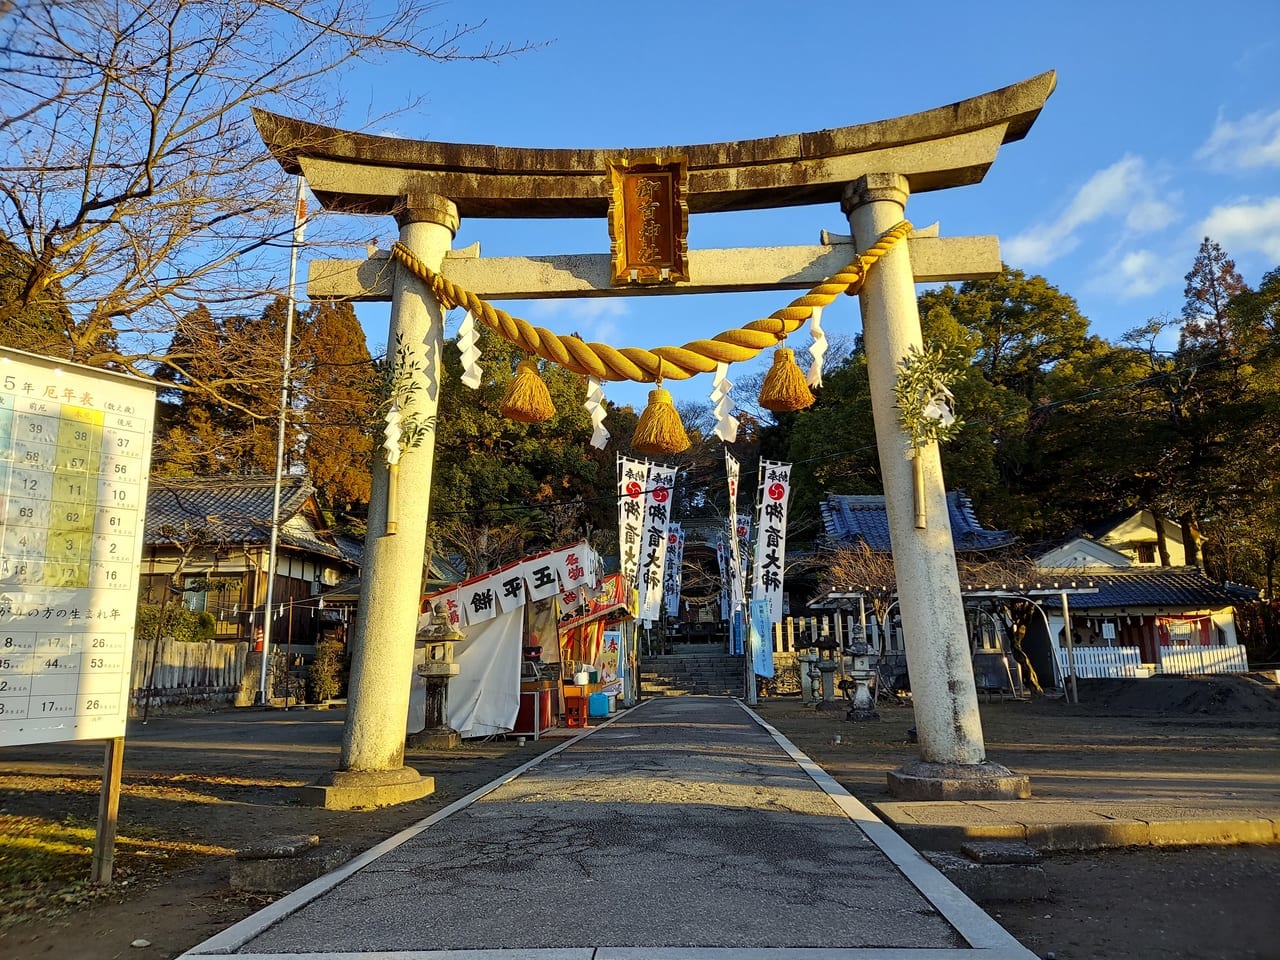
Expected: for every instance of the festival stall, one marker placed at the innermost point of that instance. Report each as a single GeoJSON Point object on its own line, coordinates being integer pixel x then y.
{"type": "Point", "coordinates": [597, 635]}
{"type": "Point", "coordinates": [509, 649]}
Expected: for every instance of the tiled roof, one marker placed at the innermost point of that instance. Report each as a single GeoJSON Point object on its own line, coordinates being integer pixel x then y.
{"type": "Point", "coordinates": [234, 510]}
{"type": "Point", "coordinates": [1160, 587]}
{"type": "Point", "coordinates": [851, 518]}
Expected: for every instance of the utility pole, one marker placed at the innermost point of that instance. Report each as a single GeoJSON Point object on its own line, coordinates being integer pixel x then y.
{"type": "Point", "coordinates": [299, 217]}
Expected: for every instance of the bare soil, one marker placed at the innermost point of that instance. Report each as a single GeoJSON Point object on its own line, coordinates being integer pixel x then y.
{"type": "Point", "coordinates": [198, 788]}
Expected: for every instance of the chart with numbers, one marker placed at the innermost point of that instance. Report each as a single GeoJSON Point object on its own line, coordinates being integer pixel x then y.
{"type": "Point", "coordinates": [75, 450]}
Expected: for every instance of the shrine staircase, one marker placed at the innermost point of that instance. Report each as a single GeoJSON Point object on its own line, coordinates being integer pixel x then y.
{"type": "Point", "coordinates": [717, 675]}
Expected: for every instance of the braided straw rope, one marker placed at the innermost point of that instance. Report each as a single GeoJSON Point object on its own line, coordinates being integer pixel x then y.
{"type": "Point", "coordinates": [604, 362]}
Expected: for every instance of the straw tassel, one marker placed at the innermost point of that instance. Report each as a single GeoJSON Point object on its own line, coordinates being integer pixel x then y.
{"type": "Point", "coordinates": [784, 388]}
{"type": "Point", "coordinates": [659, 429]}
{"type": "Point", "coordinates": [527, 398]}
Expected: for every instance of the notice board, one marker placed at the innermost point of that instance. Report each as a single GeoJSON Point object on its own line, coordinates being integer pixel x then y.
{"type": "Point", "coordinates": [75, 450]}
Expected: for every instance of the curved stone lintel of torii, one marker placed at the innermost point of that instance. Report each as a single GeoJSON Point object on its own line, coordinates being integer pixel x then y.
{"type": "Point", "coordinates": [870, 170]}
{"type": "Point", "coordinates": [944, 147]}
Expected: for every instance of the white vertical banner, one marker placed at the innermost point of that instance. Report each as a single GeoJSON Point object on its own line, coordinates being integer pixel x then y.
{"type": "Point", "coordinates": [771, 536]}
{"type": "Point", "coordinates": [722, 563]}
{"type": "Point", "coordinates": [732, 470]}
{"type": "Point", "coordinates": [633, 478]}
{"type": "Point", "coordinates": [674, 569]}
{"type": "Point", "coordinates": [657, 518]}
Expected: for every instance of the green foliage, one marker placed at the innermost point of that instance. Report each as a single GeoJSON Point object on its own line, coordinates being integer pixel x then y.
{"type": "Point", "coordinates": [490, 470]}
{"type": "Point", "coordinates": [179, 623]}
{"type": "Point", "coordinates": [327, 673]}
{"type": "Point", "coordinates": [832, 444]}
{"type": "Point", "coordinates": [37, 324]}
{"type": "Point", "coordinates": [922, 392]}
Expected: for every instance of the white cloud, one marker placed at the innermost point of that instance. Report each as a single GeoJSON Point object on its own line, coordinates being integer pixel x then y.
{"type": "Point", "coordinates": [1150, 215]}
{"type": "Point", "coordinates": [1124, 190]}
{"type": "Point", "coordinates": [1139, 273]}
{"type": "Point", "coordinates": [1245, 227]}
{"type": "Point", "coordinates": [1253, 141]}
{"type": "Point", "coordinates": [592, 318]}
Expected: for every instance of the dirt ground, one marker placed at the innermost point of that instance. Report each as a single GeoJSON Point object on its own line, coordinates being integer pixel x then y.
{"type": "Point", "coordinates": [198, 788]}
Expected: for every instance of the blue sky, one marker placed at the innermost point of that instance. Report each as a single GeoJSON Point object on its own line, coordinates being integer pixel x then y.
{"type": "Point", "coordinates": [1164, 128]}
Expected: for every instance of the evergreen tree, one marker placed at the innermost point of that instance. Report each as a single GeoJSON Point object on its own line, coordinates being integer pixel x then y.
{"type": "Point", "coordinates": [336, 403]}
{"type": "Point", "coordinates": [1212, 282]}
{"type": "Point", "coordinates": [37, 325]}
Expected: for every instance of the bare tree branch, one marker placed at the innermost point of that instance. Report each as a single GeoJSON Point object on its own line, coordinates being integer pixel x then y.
{"type": "Point", "coordinates": [133, 184]}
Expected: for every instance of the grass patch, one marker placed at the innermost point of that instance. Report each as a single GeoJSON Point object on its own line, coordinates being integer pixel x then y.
{"type": "Point", "coordinates": [45, 864]}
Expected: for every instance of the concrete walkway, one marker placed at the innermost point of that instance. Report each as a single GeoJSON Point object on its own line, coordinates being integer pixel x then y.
{"type": "Point", "coordinates": [684, 829]}
{"type": "Point", "coordinates": [1052, 825]}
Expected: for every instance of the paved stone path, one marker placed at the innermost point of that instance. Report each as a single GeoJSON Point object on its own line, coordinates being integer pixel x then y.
{"type": "Point", "coordinates": [681, 829]}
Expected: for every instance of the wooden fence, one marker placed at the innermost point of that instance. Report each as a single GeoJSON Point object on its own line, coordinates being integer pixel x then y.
{"type": "Point", "coordinates": [799, 633]}
{"type": "Point", "coordinates": [189, 672]}
{"type": "Point", "coordinates": [1233, 659]}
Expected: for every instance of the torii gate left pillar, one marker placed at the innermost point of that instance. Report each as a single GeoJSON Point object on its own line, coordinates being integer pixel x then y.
{"type": "Point", "coordinates": [371, 771]}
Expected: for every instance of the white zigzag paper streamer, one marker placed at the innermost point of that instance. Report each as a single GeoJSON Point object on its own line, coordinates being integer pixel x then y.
{"type": "Point", "coordinates": [818, 350]}
{"type": "Point", "coordinates": [469, 350]}
{"type": "Point", "coordinates": [726, 422]}
{"type": "Point", "coordinates": [391, 435]}
{"type": "Point", "coordinates": [595, 407]}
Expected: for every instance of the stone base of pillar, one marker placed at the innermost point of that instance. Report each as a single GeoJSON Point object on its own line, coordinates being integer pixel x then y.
{"type": "Point", "coordinates": [920, 780]}
{"type": "Point", "coordinates": [436, 738]}
{"type": "Point", "coordinates": [366, 789]}
{"type": "Point", "coordinates": [859, 714]}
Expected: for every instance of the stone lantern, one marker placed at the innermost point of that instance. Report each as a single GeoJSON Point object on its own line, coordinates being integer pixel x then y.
{"type": "Point", "coordinates": [437, 667]}
{"type": "Point", "coordinates": [862, 705]}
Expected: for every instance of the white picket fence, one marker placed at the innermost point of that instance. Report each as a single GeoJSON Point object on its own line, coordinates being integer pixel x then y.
{"type": "Point", "coordinates": [1232, 659]}
{"type": "Point", "coordinates": [1092, 663]}
{"type": "Point", "coordinates": [1099, 662]}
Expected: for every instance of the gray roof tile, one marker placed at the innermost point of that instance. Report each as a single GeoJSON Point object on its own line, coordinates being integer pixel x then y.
{"type": "Point", "coordinates": [235, 510]}
{"type": "Point", "coordinates": [849, 518]}
{"type": "Point", "coordinates": [1158, 587]}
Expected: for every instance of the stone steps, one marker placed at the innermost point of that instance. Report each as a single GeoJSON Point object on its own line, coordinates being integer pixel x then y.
{"type": "Point", "coordinates": [697, 674]}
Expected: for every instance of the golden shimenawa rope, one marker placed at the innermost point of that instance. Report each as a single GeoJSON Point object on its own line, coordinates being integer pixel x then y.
{"type": "Point", "coordinates": [604, 362]}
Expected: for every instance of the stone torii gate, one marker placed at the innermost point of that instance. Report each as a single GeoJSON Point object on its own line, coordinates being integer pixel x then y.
{"type": "Point", "coordinates": [869, 169]}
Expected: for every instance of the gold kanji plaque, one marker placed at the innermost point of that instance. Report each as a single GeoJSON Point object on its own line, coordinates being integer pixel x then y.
{"type": "Point", "coordinates": [649, 220]}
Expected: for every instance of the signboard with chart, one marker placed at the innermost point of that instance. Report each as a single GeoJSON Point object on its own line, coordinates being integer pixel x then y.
{"type": "Point", "coordinates": [75, 450]}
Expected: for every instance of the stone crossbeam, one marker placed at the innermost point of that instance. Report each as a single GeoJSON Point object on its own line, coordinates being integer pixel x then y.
{"type": "Point", "coordinates": [740, 270]}
{"type": "Point", "coordinates": [948, 146]}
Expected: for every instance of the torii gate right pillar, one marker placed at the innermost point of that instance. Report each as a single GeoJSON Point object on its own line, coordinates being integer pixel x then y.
{"type": "Point", "coordinates": [952, 762]}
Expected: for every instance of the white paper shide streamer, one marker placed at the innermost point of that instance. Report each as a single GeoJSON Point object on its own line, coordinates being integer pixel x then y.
{"type": "Point", "coordinates": [941, 406]}
{"type": "Point", "coordinates": [469, 351]}
{"type": "Point", "coordinates": [726, 422]}
{"type": "Point", "coordinates": [818, 350]}
{"type": "Point", "coordinates": [391, 435]}
{"type": "Point", "coordinates": [595, 407]}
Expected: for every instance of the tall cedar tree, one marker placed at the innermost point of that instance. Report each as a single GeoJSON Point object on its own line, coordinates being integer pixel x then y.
{"type": "Point", "coordinates": [1212, 282]}
{"type": "Point", "coordinates": [337, 396]}
{"type": "Point", "coordinates": [332, 397]}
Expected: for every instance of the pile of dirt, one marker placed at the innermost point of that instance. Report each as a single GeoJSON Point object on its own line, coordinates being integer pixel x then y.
{"type": "Point", "coordinates": [1216, 696]}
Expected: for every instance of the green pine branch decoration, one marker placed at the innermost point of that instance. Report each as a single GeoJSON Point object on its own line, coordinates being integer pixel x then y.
{"type": "Point", "coordinates": [922, 393]}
